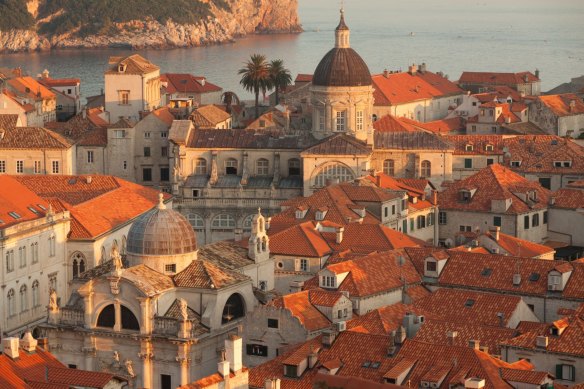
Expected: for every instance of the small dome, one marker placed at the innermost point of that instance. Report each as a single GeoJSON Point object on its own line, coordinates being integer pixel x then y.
{"type": "Point", "coordinates": [342, 67]}
{"type": "Point", "coordinates": [161, 231]}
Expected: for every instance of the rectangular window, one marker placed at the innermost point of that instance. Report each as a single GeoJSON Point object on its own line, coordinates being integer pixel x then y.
{"type": "Point", "coordinates": [473, 128]}
{"type": "Point", "coordinates": [545, 217]}
{"type": "Point", "coordinates": [359, 120]}
{"type": "Point", "coordinates": [442, 218]}
{"type": "Point", "coordinates": [321, 120]}
{"type": "Point", "coordinates": [89, 156]}
{"type": "Point", "coordinates": [468, 163]}
{"type": "Point", "coordinates": [431, 219]}
{"type": "Point", "coordinates": [393, 209]}
{"type": "Point", "coordinates": [405, 226]}
{"type": "Point", "coordinates": [304, 264]}
{"type": "Point", "coordinates": [164, 174]}
{"type": "Point", "coordinates": [566, 372]}
{"type": "Point", "coordinates": [464, 228]}
{"type": "Point", "coordinates": [147, 134]}
{"type": "Point", "coordinates": [196, 193]}
{"type": "Point", "coordinates": [37, 167]}
{"type": "Point", "coordinates": [431, 266]}
{"type": "Point", "coordinates": [171, 268]}
{"type": "Point", "coordinates": [412, 225]}
{"type": "Point", "coordinates": [546, 182]}
{"type": "Point", "coordinates": [146, 151]}
{"type": "Point", "coordinates": [125, 165]}
{"type": "Point", "coordinates": [124, 97]}
{"type": "Point", "coordinates": [2, 166]}
{"type": "Point", "coordinates": [341, 117]}
{"type": "Point", "coordinates": [19, 166]}
{"type": "Point", "coordinates": [147, 174]}
{"type": "Point", "coordinates": [497, 221]}
{"type": "Point", "coordinates": [164, 151]}
{"type": "Point", "coordinates": [164, 134]}
{"type": "Point", "coordinates": [272, 323]}
{"type": "Point", "coordinates": [259, 350]}
{"type": "Point", "coordinates": [55, 165]}
{"type": "Point", "coordinates": [526, 222]}
{"type": "Point", "coordinates": [494, 129]}
{"type": "Point", "coordinates": [119, 134]}
{"type": "Point", "coordinates": [490, 161]}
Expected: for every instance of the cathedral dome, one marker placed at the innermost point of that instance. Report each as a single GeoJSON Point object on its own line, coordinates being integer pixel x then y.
{"type": "Point", "coordinates": [161, 232]}
{"type": "Point", "coordinates": [342, 66]}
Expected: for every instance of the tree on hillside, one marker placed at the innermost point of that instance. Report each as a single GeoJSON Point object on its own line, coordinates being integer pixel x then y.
{"type": "Point", "coordinates": [280, 77]}
{"type": "Point", "coordinates": [255, 77]}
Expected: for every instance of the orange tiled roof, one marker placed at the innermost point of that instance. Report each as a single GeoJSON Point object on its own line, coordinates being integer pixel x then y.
{"type": "Point", "coordinates": [492, 78]}
{"type": "Point", "coordinates": [520, 247]}
{"type": "Point", "coordinates": [391, 272]}
{"type": "Point", "coordinates": [560, 105]}
{"type": "Point", "coordinates": [19, 199]}
{"type": "Point", "coordinates": [479, 144]}
{"type": "Point", "coordinates": [390, 123]}
{"type": "Point", "coordinates": [53, 82]}
{"type": "Point", "coordinates": [400, 88]}
{"type": "Point", "coordinates": [384, 320]}
{"type": "Point", "coordinates": [164, 115]}
{"type": "Point", "coordinates": [494, 182]}
{"type": "Point", "coordinates": [303, 78]}
{"type": "Point", "coordinates": [135, 64]}
{"type": "Point", "coordinates": [339, 144]}
{"type": "Point", "coordinates": [187, 83]}
{"type": "Point", "coordinates": [208, 116]}
{"type": "Point", "coordinates": [435, 331]}
{"type": "Point", "coordinates": [31, 88]}
{"type": "Point", "coordinates": [498, 92]}
{"type": "Point", "coordinates": [568, 198]}
{"type": "Point", "coordinates": [206, 275]}
{"type": "Point", "coordinates": [458, 305]}
{"type": "Point", "coordinates": [8, 121]}
{"type": "Point", "coordinates": [440, 127]}
{"type": "Point", "coordinates": [32, 138]}
{"type": "Point", "coordinates": [97, 205]}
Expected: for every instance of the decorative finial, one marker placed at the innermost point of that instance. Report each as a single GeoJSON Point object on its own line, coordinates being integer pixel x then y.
{"type": "Point", "coordinates": [161, 204]}
{"type": "Point", "coordinates": [259, 210]}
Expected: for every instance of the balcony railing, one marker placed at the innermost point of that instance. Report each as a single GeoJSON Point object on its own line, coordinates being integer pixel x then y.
{"type": "Point", "coordinates": [72, 317]}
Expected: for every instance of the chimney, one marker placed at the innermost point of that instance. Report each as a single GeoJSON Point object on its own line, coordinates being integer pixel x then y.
{"type": "Point", "coordinates": [474, 344]}
{"type": "Point", "coordinates": [516, 279]}
{"type": "Point", "coordinates": [328, 338]}
{"type": "Point", "coordinates": [203, 82]}
{"type": "Point", "coordinates": [434, 199]}
{"type": "Point", "coordinates": [28, 342]}
{"type": "Point", "coordinates": [233, 349]}
{"type": "Point", "coordinates": [312, 359]}
{"type": "Point", "coordinates": [400, 335]}
{"type": "Point", "coordinates": [238, 234]}
{"type": "Point", "coordinates": [273, 383]}
{"type": "Point", "coordinates": [474, 383]}
{"type": "Point", "coordinates": [84, 113]}
{"type": "Point", "coordinates": [223, 368]}
{"type": "Point", "coordinates": [385, 73]}
{"type": "Point", "coordinates": [552, 201]}
{"type": "Point", "coordinates": [88, 179]}
{"type": "Point", "coordinates": [537, 73]}
{"type": "Point", "coordinates": [340, 231]}
{"type": "Point", "coordinates": [412, 69]}
{"type": "Point", "coordinates": [541, 341]}
{"type": "Point", "coordinates": [497, 232]}
{"type": "Point", "coordinates": [501, 317]}
{"type": "Point", "coordinates": [45, 74]}
{"type": "Point", "coordinates": [452, 335]}
{"type": "Point", "coordinates": [2, 133]}
{"type": "Point", "coordinates": [572, 105]}
{"type": "Point", "coordinates": [423, 68]}
{"type": "Point", "coordinates": [10, 347]}
{"type": "Point", "coordinates": [43, 343]}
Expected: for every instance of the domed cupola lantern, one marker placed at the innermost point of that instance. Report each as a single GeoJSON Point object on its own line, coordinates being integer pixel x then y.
{"type": "Point", "coordinates": [342, 92]}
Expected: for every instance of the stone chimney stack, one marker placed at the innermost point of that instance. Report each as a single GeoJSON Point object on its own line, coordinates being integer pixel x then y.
{"type": "Point", "coordinates": [452, 335]}
{"type": "Point", "coordinates": [385, 73]}
{"type": "Point", "coordinates": [233, 349]}
{"type": "Point", "coordinates": [10, 346]}
{"type": "Point", "coordinates": [340, 232]}
{"type": "Point", "coordinates": [223, 368]}
{"type": "Point", "coordinates": [497, 232]}
{"type": "Point", "coordinates": [413, 69]}
{"type": "Point", "coordinates": [28, 343]}
{"type": "Point", "coordinates": [434, 199]}
{"type": "Point", "coordinates": [474, 344]}
{"type": "Point", "coordinates": [423, 68]}
{"type": "Point", "coordinates": [273, 383]}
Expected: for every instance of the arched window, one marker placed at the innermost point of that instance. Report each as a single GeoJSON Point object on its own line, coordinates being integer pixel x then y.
{"type": "Point", "coordinates": [78, 264]}
{"type": "Point", "coordinates": [34, 252]}
{"type": "Point", "coordinates": [123, 250]}
{"type": "Point", "coordinates": [103, 257]}
{"type": "Point", "coordinates": [22, 256]}
{"type": "Point", "coordinates": [231, 166]}
{"type": "Point", "coordinates": [262, 167]}
{"type": "Point", "coordinates": [196, 221]}
{"type": "Point", "coordinates": [107, 317]}
{"type": "Point", "coordinates": [201, 166]}
{"type": "Point", "coordinates": [52, 246]}
{"type": "Point", "coordinates": [234, 308]}
{"type": "Point", "coordinates": [223, 222]}
{"type": "Point", "coordinates": [294, 167]}
{"type": "Point", "coordinates": [9, 261]}
{"type": "Point", "coordinates": [23, 298]}
{"type": "Point", "coordinates": [426, 171]}
{"type": "Point", "coordinates": [36, 294]}
{"type": "Point", "coordinates": [389, 167]}
{"type": "Point", "coordinates": [535, 220]}
{"type": "Point", "coordinates": [246, 225]}
{"type": "Point", "coordinates": [374, 117]}
{"type": "Point", "coordinates": [129, 321]}
{"type": "Point", "coordinates": [264, 243]}
{"type": "Point", "coordinates": [333, 172]}
{"type": "Point", "coordinates": [11, 303]}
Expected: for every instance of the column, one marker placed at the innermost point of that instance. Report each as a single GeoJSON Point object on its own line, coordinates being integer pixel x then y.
{"type": "Point", "coordinates": [118, 310]}
{"type": "Point", "coordinates": [88, 302]}
{"type": "Point", "coordinates": [146, 355]}
{"type": "Point", "coordinates": [146, 327]}
{"type": "Point", "coordinates": [184, 362]}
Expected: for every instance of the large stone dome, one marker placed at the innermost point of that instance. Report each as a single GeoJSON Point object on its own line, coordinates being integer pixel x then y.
{"type": "Point", "coordinates": [161, 232]}
{"type": "Point", "coordinates": [342, 67]}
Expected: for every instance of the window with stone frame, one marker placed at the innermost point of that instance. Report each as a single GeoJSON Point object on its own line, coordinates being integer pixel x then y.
{"type": "Point", "coordinates": [231, 166]}
{"type": "Point", "coordinates": [341, 121]}
{"type": "Point", "coordinates": [201, 166]}
{"type": "Point", "coordinates": [426, 169]}
{"type": "Point", "coordinates": [359, 119]}
{"type": "Point", "coordinates": [294, 167]}
{"type": "Point", "coordinates": [389, 167]}
{"type": "Point", "coordinates": [262, 167]}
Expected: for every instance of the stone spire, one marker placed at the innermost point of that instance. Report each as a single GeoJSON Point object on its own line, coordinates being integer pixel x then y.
{"type": "Point", "coordinates": [342, 33]}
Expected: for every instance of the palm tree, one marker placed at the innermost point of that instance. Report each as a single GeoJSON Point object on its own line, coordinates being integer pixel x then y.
{"type": "Point", "coordinates": [280, 77]}
{"type": "Point", "coordinates": [255, 77]}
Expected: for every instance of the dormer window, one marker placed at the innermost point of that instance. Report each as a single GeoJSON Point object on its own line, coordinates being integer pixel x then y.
{"type": "Point", "coordinates": [554, 331]}
{"type": "Point", "coordinates": [301, 213]}
{"type": "Point", "coordinates": [320, 214]}
{"type": "Point", "coordinates": [469, 147]}
{"type": "Point", "coordinates": [431, 266]}
{"type": "Point", "coordinates": [555, 282]}
{"type": "Point", "coordinates": [532, 195]}
{"type": "Point", "coordinates": [464, 195]}
{"type": "Point", "coordinates": [562, 163]}
{"type": "Point", "coordinates": [515, 163]}
{"type": "Point", "coordinates": [328, 281]}
{"type": "Point", "coordinates": [121, 68]}
{"type": "Point", "coordinates": [489, 148]}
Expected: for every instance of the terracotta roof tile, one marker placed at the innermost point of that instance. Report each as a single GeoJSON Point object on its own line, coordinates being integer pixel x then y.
{"type": "Point", "coordinates": [440, 127]}
{"type": "Point", "coordinates": [164, 115]}
{"type": "Point", "coordinates": [384, 320]}
{"type": "Point", "coordinates": [32, 138]}
{"type": "Point", "coordinates": [390, 123]}
{"type": "Point", "coordinates": [187, 83]}
{"type": "Point", "coordinates": [339, 144]}
{"type": "Point", "coordinates": [494, 182]}
{"type": "Point", "coordinates": [135, 64]}
{"type": "Point", "coordinates": [410, 141]}
{"type": "Point", "coordinates": [205, 275]}
{"type": "Point", "coordinates": [20, 201]}
{"type": "Point", "coordinates": [208, 116]}
{"type": "Point", "coordinates": [31, 88]}
{"type": "Point", "coordinates": [569, 198]}
{"type": "Point", "coordinates": [563, 105]}
{"type": "Point", "coordinates": [491, 78]}
{"type": "Point", "coordinates": [8, 121]}
{"type": "Point", "coordinates": [400, 88]}
{"type": "Point", "coordinates": [479, 144]}
{"type": "Point", "coordinates": [232, 138]}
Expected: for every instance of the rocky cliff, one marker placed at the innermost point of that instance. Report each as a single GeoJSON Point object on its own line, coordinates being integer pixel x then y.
{"type": "Point", "coordinates": [238, 18]}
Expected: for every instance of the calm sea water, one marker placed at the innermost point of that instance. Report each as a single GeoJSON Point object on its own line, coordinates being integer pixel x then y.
{"type": "Point", "coordinates": [449, 35]}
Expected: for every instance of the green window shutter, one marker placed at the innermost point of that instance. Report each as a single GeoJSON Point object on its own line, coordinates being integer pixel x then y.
{"type": "Point", "coordinates": [559, 372]}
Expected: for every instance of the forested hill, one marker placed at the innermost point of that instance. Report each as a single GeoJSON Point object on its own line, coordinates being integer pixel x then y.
{"type": "Point", "coordinates": [44, 24]}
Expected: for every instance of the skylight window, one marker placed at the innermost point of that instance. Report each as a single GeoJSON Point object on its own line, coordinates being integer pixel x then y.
{"type": "Point", "coordinates": [366, 364]}
{"type": "Point", "coordinates": [14, 215]}
{"type": "Point", "coordinates": [469, 303]}
{"type": "Point", "coordinates": [375, 365]}
{"type": "Point", "coordinates": [487, 272]}
{"type": "Point", "coordinates": [41, 207]}
{"type": "Point", "coordinates": [534, 277]}
{"type": "Point", "coordinates": [33, 210]}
